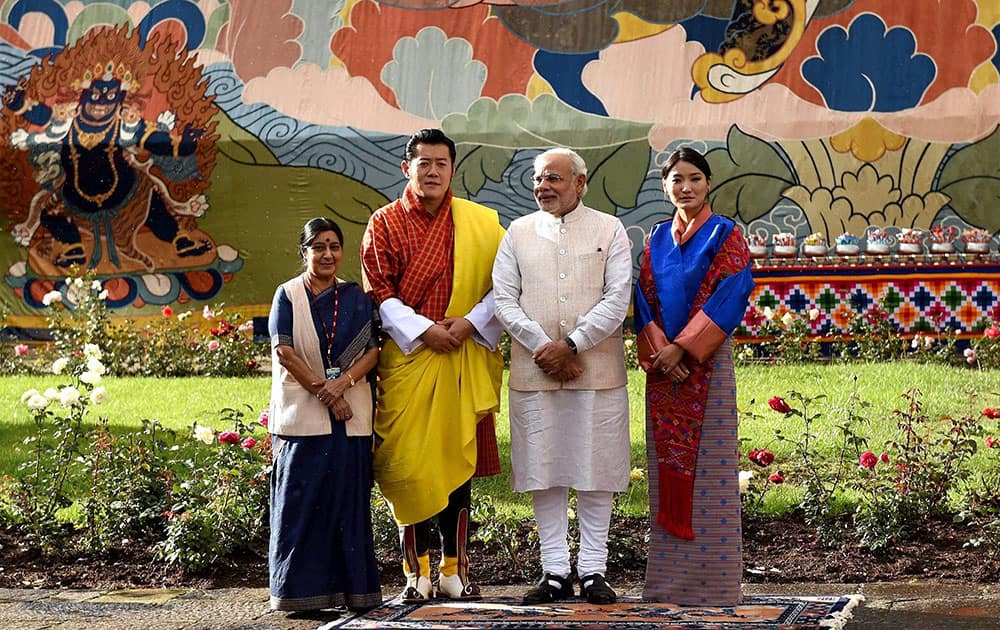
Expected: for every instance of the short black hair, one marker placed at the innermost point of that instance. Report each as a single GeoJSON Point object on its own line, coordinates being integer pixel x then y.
{"type": "Point", "coordinates": [428, 136]}
{"type": "Point", "coordinates": [315, 227]}
{"type": "Point", "coordinates": [689, 155]}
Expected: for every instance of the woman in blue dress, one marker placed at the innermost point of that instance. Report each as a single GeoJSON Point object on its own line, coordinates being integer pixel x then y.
{"type": "Point", "coordinates": [694, 283]}
{"type": "Point", "coordinates": [322, 329]}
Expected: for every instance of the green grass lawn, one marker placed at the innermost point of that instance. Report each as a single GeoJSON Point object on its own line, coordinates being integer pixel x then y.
{"type": "Point", "coordinates": [177, 403]}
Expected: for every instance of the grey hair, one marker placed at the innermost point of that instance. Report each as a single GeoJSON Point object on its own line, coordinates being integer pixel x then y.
{"type": "Point", "coordinates": [578, 166]}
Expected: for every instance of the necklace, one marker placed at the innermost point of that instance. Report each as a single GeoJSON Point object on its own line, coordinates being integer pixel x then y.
{"type": "Point", "coordinates": [89, 140]}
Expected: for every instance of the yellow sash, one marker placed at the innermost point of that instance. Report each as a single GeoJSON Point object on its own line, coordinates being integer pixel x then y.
{"type": "Point", "coordinates": [429, 403]}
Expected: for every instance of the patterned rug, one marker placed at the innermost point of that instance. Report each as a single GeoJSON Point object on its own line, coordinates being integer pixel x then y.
{"type": "Point", "coordinates": [759, 612]}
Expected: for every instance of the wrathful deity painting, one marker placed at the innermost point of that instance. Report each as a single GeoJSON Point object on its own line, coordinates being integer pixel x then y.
{"type": "Point", "coordinates": [174, 148]}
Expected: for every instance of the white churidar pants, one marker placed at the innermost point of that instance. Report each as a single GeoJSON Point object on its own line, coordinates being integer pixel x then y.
{"type": "Point", "coordinates": [594, 513]}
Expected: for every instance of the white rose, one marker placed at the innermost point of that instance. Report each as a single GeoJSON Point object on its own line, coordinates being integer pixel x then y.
{"type": "Point", "coordinates": [813, 314]}
{"type": "Point", "coordinates": [50, 297]}
{"type": "Point", "coordinates": [768, 313]}
{"type": "Point", "coordinates": [69, 396]}
{"type": "Point", "coordinates": [77, 282]}
{"type": "Point", "coordinates": [90, 378]}
{"type": "Point", "coordinates": [204, 434]}
{"type": "Point", "coordinates": [59, 365]}
{"type": "Point", "coordinates": [95, 365]}
{"type": "Point", "coordinates": [28, 394]}
{"type": "Point", "coordinates": [787, 319]}
{"type": "Point", "coordinates": [96, 285]}
{"type": "Point", "coordinates": [98, 396]}
{"type": "Point", "coordinates": [38, 402]}
{"type": "Point", "coordinates": [92, 350]}
{"type": "Point", "coordinates": [52, 393]}
{"type": "Point", "coordinates": [207, 313]}
{"type": "Point", "coordinates": [103, 295]}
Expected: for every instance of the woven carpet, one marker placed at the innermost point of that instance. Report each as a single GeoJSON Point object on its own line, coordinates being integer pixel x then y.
{"type": "Point", "coordinates": [759, 612]}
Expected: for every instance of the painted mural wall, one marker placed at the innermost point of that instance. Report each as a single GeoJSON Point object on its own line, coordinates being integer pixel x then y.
{"type": "Point", "coordinates": [176, 147]}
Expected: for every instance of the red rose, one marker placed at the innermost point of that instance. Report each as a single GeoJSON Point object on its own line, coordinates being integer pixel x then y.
{"type": "Point", "coordinates": [264, 417]}
{"type": "Point", "coordinates": [778, 404]}
{"type": "Point", "coordinates": [993, 332]}
{"type": "Point", "coordinates": [229, 437]}
{"type": "Point", "coordinates": [868, 460]}
{"type": "Point", "coordinates": [761, 457]}
{"type": "Point", "coordinates": [991, 413]}
{"type": "Point", "coordinates": [991, 442]}
{"type": "Point", "coordinates": [251, 364]}
{"type": "Point", "coordinates": [167, 311]}
{"type": "Point", "coordinates": [776, 478]}
{"type": "Point", "coordinates": [248, 443]}
{"type": "Point", "coordinates": [884, 457]}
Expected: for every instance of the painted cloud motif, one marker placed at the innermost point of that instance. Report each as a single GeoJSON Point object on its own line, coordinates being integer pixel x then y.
{"type": "Point", "coordinates": [366, 46]}
{"type": "Point", "coordinates": [869, 67]}
{"type": "Point", "coordinates": [433, 76]}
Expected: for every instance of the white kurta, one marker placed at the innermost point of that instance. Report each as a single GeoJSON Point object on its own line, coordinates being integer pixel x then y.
{"type": "Point", "coordinates": [567, 437]}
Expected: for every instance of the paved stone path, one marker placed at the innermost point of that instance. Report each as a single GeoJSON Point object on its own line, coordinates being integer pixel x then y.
{"type": "Point", "coordinates": [917, 606]}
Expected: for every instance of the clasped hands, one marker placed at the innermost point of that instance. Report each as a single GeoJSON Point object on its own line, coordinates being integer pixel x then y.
{"type": "Point", "coordinates": [331, 393]}
{"type": "Point", "coordinates": [447, 334]}
{"type": "Point", "coordinates": [669, 361]}
{"type": "Point", "coordinates": [557, 360]}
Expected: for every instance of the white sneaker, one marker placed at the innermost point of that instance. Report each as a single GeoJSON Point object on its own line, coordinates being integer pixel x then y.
{"type": "Point", "coordinates": [418, 590]}
{"type": "Point", "coordinates": [451, 587]}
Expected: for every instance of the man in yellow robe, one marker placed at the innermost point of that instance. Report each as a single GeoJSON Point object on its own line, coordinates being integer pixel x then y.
{"type": "Point", "coordinates": [427, 261]}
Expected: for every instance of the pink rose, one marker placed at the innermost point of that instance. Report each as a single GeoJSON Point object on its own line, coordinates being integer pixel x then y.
{"type": "Point", "coordinates": [993, 332]}
{"type": "Point", "coordinates": [264, 417]}
{"type": "Point", "coordinates": [21, 349]}
{"type": "Point", "coordinates": [776, 478]}
{"type": "Point", "coordinates": [229, 437]}
{"type": "Point", "coordinates": [248, 443]}
{"type": "Point", "coordinates": [868, 460]}
{"type": "Point", "coordinates": [778, 404]}
{"type": "Point", "coordinates": [991, 442]}
{"type": "Point", "coordinates": [167, 311]}
{"type": "Point", "coordinates": [213, 344]}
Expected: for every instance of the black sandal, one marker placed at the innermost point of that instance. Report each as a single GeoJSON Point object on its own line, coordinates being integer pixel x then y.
{"type": "Point", "coordinates": [549, 589]}
{"type": "Point", "coordinates": [594, 588]}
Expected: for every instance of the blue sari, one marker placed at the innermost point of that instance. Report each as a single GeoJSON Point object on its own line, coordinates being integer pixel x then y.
{"type": "Point", "coordinates": [322, 552]}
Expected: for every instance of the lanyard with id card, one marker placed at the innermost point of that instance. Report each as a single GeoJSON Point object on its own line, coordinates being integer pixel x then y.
{"type": "Point", "coordinates": [333, 371]}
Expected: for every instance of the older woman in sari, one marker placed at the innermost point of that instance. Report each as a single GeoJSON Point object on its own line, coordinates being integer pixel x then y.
{"type": "Point", "coordinates": [322, 553]}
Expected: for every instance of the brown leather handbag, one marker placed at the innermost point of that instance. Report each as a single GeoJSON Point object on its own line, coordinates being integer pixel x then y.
{"type": "Point", "coordinates": [651, 340]}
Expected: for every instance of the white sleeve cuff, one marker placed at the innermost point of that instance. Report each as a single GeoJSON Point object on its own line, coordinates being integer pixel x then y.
{"type": "Point", "coordinates": [403, 324]}
{"type": "Point", "coordinates": [483, 319]}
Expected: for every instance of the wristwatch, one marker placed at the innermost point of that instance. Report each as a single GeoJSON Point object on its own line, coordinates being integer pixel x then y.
{"type": "Point", "coordinates": [572, 344]}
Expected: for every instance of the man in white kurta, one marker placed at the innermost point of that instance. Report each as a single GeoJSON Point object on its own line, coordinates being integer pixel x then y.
{"type": "Point", "coordinates": [562, 283]}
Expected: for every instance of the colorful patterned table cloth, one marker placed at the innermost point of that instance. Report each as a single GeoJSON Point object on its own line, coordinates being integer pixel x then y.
{"type": "Point", "coordinates": [923, 294]}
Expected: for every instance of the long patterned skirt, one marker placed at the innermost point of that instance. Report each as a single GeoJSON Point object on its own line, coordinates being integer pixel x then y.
{"type": "Point", "coordinates": [322, 553]}
{"type": "Point", "coordinates": [706, 571]}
